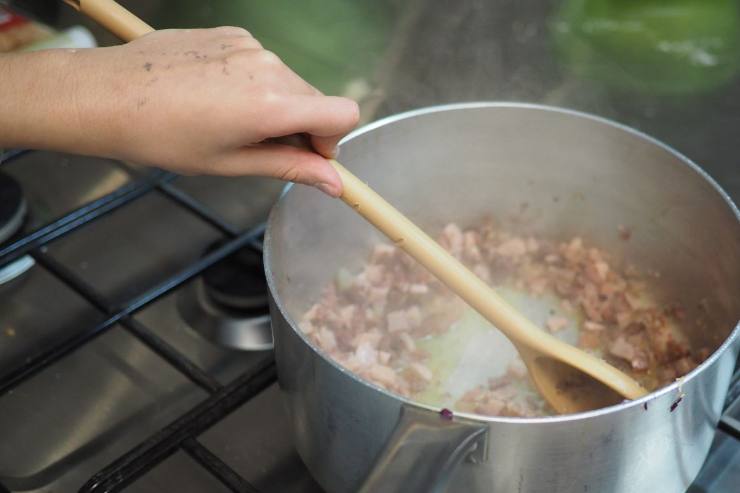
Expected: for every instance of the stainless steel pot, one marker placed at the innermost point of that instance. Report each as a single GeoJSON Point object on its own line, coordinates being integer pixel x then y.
{"type": "Point", "coordinates": [579, 174]}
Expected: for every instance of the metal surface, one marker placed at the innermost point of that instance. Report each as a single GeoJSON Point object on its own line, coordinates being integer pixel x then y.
{"type": "Point", "coordinates": [603, 175]}
{"type": "Point", "coordinates": [218, 325]}
{"type": "Point", "coordinates": [82, 380]}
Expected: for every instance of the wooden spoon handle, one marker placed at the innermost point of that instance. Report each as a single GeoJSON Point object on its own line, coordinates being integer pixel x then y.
{"type": "Point", "coordinates": [114, 17]}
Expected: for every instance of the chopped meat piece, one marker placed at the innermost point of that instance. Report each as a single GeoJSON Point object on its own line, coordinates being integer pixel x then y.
{"type": "Point", "coordinates": [371, 337]}
{"type": "Point", "coordinates": [514, 247]}
{"type": "Point", "coordinates": [422, 372]}
{"type": "Point", "coordinates": [384, 357]}
{"type": "Point", "coordinates": [375, 273]}
{"type": "Point", "coordinates": [398, 321]}
{"type": "Point", "coordinates": [552, 258]}
{"type": "Point", "coordinates": [470, 247]}
{"type": "Point", "coordinates": [383, 251]}
{"type": "Point", "coordinates": [622, 348]}
{"type": "Point", "coordinates": [452, 239]}
{"type": "Point", "coordinates": [366, 354]}
{"type": "Point", "coordinates": [589, 340]}
{"type": "Point", "coordinates": [556, 323]}
{"type": "Point", "coordinates": [593, 326]}
{"type": "Point", "coordinates": [684, 365]}
{"type": "Point", "coordinates": [326, 339]}
{"type": "Point", "coordinates": [407, 341]}
{"type": "Point", "coordinates": [418, 288]}
{"type": "Point", "coordinates": [516, 369]}
{"type": "Point", "coordinates": [482, 271]}
{"type": "Point", "coordinates": [532, 245]}
{"type": "Point", "coordinates": [383, 375]}
{"type": "Point", "coordinates": [491, 407]}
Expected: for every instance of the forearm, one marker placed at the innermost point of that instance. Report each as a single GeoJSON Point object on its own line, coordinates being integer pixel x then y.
{"type": "Point", "coordinates": [41, 105]}
{"type": "Point", "coordinates": [192, 101]}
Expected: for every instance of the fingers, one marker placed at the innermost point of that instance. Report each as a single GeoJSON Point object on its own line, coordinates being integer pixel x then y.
{"type": "Point", "coordinates": [326, 146]}
{"type": "Point", "coordinates": [284, 162]}
{"type": "Point", "coordinates": [325, 118]}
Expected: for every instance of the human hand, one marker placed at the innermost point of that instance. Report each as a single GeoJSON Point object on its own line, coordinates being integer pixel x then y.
{"type": "Point", "coordinates": [204, 101]}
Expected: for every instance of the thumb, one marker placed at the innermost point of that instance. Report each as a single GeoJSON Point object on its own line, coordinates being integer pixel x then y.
{"type": "Point", "coordinates": [284, 162]}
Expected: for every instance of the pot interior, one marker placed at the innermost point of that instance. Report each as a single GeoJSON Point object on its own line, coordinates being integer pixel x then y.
{"type": "Point", "coordinates": [542, 171]}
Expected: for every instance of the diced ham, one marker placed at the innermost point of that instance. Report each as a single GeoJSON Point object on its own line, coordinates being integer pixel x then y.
{"type": "Point", "coordinates": [375, 273]}
{"type": "Point", "coordinates": [593, 326]}
{"type": "Point", "coordinates": [624, 349]}
{"type": "Point", "coordinates": [552, 258]}
{"type": "Point", "coordinates": [366, 354]}
{"type": "Point", "coordinates": [397, 321]}
{"type": "Point", "coordinates": [421, 372]}
{"type": "Point", "coordinates": [589, 340]}
{"type": "Point", "coordinates": [684, 365]}
{"type": "Point", "coordinates": [514, 247]}
{"type": "Point", "coordinates": [470, 247]}
{"type": "Point", "coordinates": [383, 251]}
{"type": "Point", "coordinates": [418, 288]}
{"type": "Point", "coordinates": [407, 342]}
{"type": "Point", "coordinates": [556, 323]}
{"type": "Point", "coordinates": [482, 271]}
{"type": "Point", "coordinates": [383, 375]}
{"type": "Point", "coordinates": [452, 239]}
{"type": "Point", "coordinates": [516, 369]}
{"type": "Point", "coordinates": [326, 339]}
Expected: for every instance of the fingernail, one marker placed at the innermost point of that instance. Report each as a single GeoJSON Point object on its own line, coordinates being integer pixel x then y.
{"type": "Point", "coordinates": [328, 189]}
{"type": "Point", "coordinates": [335, 153]}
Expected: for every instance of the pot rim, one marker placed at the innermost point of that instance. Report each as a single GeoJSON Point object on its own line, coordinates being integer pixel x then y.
{"type": "Point", "coordinates": [675, 386]}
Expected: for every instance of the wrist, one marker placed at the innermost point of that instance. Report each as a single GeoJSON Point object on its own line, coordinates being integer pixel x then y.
{"type": "Point", "coordinates": [50, 102]}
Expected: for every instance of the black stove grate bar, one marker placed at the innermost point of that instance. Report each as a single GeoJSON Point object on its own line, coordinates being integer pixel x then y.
{"type": "Point", "coordinates": [191, 204]}
{"type": "Point", "coordinates": [217, 467]}
{"type": "Point", "coordinates": [176, 359]}
{"type": "Point", "coordinates": [46, 358]}
{"type": "Point", "coordinates": [134, 327]}
{"type": "Point", "coordinates": [142, 458]}
{"type": "Point", "coordinates": [82, 215]}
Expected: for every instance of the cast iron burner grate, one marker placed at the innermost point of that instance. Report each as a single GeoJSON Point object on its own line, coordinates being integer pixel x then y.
{"type": "Point", "coordinates": [182, 434]}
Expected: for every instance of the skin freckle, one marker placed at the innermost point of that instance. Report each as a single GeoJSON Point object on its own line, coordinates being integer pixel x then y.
{"type": "Point", "coordinates": [148, 66]}
{"type": "Point", "coordinates": [140, 103]}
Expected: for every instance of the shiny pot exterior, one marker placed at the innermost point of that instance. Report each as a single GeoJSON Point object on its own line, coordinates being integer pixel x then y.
{"type": "Point", "coordinates": [577, 174]}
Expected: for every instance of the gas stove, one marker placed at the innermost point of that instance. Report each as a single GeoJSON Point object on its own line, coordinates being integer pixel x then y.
{"type": "Point", "coordinates": [135, 338]}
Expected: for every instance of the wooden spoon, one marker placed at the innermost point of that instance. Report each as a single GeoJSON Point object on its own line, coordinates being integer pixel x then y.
{"type": "Point", "coordinates": [569, 379]}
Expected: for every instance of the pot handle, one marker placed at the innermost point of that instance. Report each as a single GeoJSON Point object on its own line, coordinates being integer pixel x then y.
{"type": "Point", "coordinates": [423, 451]}
{"type": "Point", "coordinates": [730, 420]}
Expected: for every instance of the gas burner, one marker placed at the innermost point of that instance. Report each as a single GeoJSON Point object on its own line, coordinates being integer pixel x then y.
{"type": "Point", "coordinates": [228, 303]}
{"type": "Point", "coordinates": [237, 283]}
{"type": "Point", "coordinates": [12, 214]}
